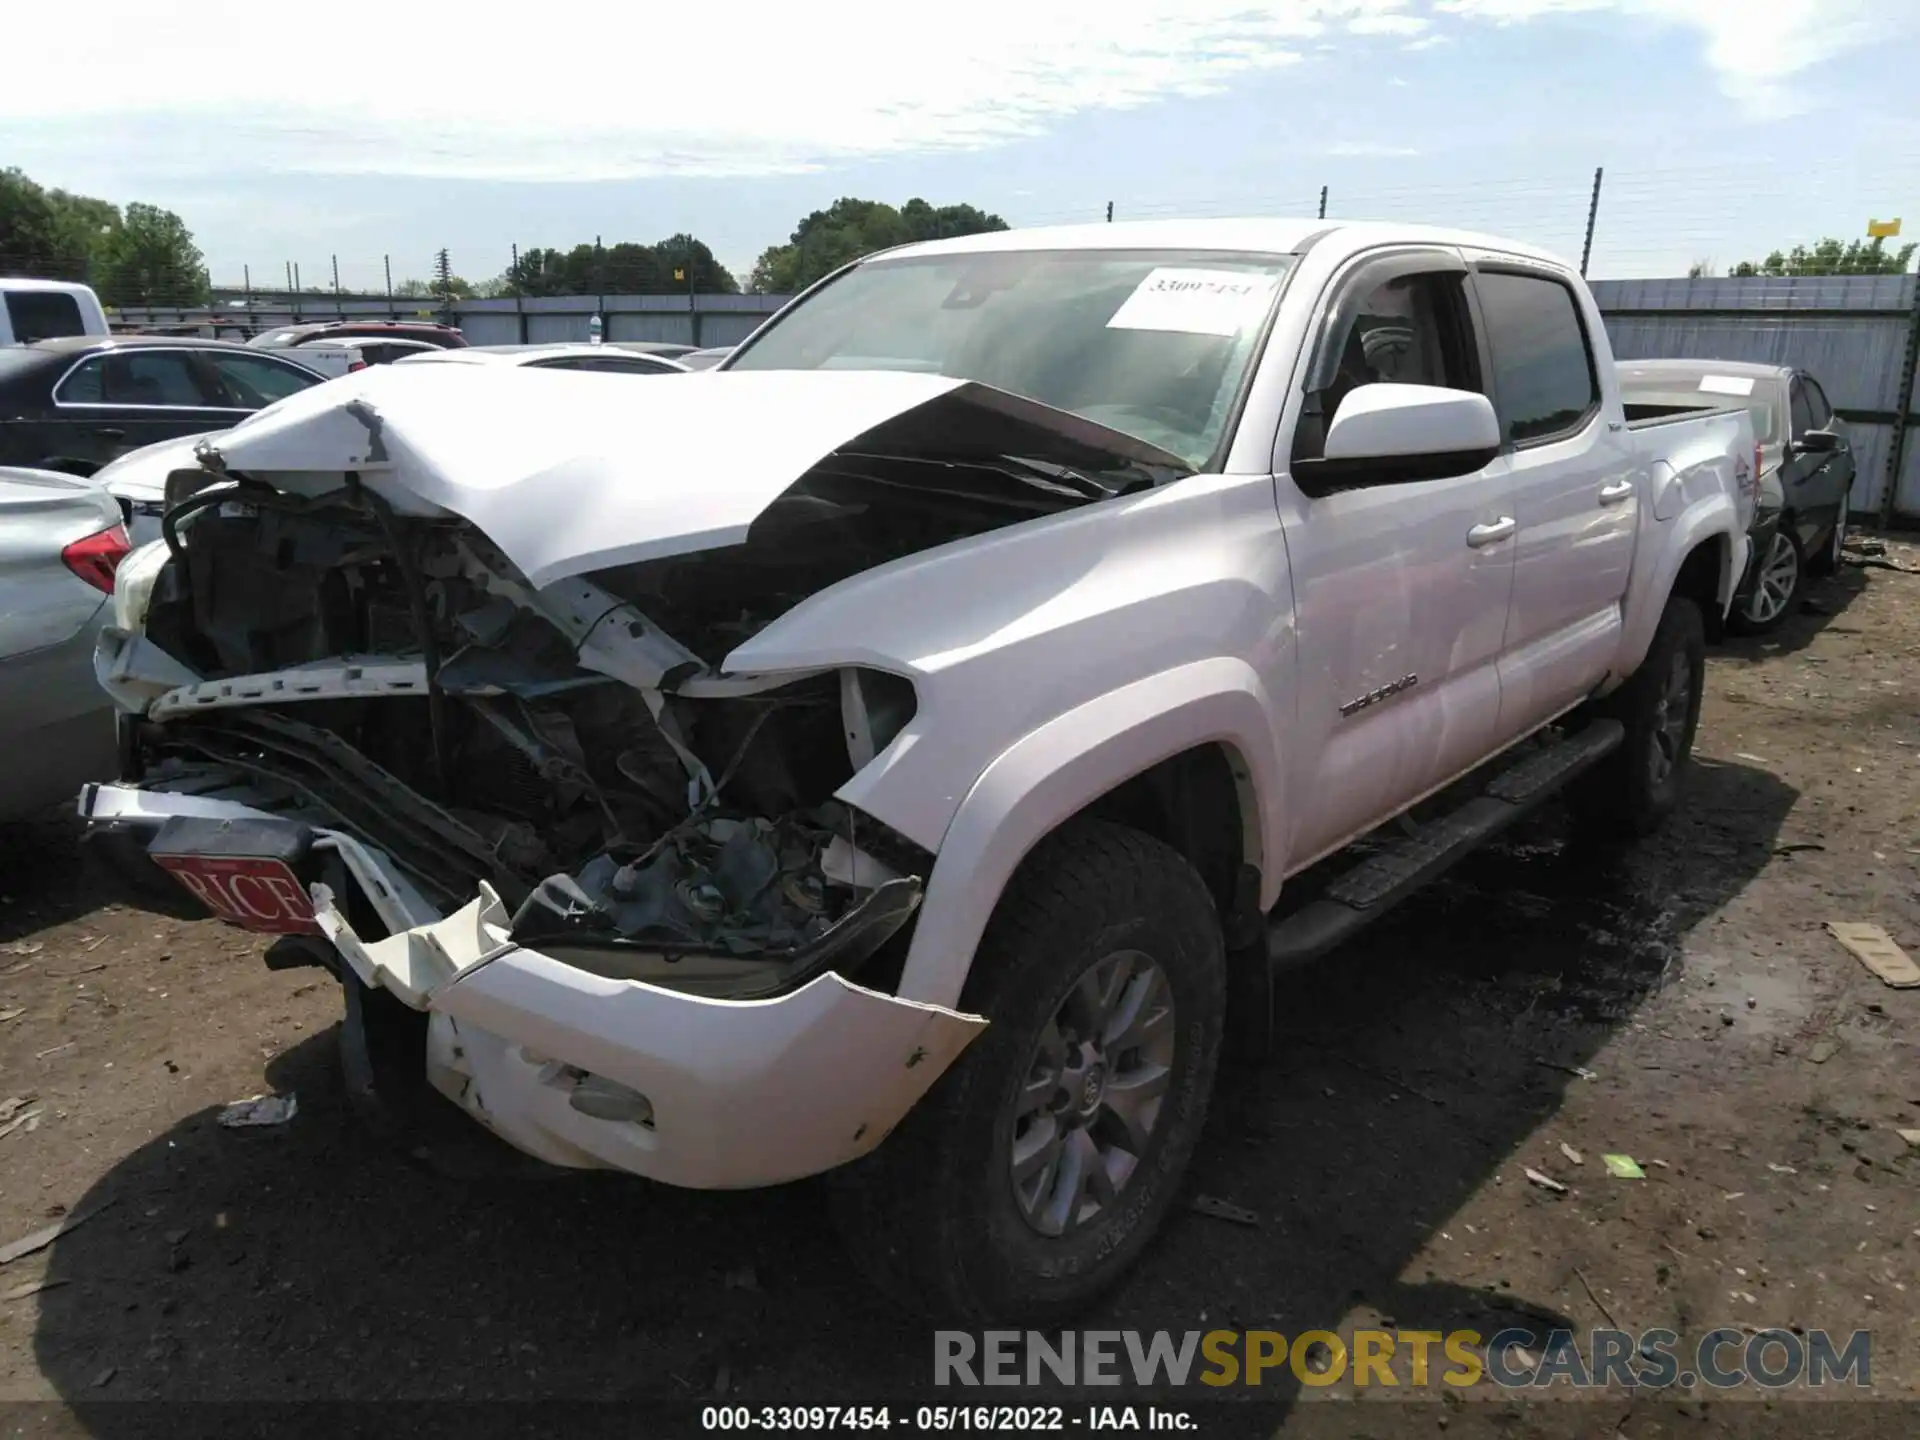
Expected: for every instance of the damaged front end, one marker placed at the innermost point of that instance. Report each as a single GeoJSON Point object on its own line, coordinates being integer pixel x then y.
{"type": "Point", "coordinates": [328, 651]}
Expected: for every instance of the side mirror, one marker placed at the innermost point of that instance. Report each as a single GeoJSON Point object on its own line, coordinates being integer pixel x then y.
{"type": "Point", "coordinates": [1386, 433]}
{"type": "Point", "coordinates": [1818, 442]}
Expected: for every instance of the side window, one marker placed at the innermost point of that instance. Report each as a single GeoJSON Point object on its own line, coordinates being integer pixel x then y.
{"type": "Point", "coordinates": [252, 383]}
{"type": "Point", "coordinates": [165, 377]}
{"type": "Point", "coordinates": [1821, 411]}
{"type": "Point", "coordinates": [1412, 330]}
{"type": "Point", "coordinates": [42, 315]}
{"type": "Point", "coordinates": [1798, 408]}
{"type": "Point", "coordinates": [1544, 381]}
{"type": "Point", "coordinates": [86, 385]}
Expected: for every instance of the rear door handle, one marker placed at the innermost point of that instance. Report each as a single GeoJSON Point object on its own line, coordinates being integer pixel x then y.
{"type": "Point", "coordinates": [1613, 494]}
{"type": "Point", "coordinates": [109, 432]}
{"type": "Point", "coordinates": [1487, 534]}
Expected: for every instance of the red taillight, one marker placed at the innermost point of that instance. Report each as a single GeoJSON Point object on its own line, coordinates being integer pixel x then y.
{"type": "Point", "coordinates": [95, 558]}
{"type": "Point", "coordinates": [356, 365]}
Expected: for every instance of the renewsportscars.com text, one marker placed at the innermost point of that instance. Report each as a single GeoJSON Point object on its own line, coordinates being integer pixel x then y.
{"type": "Point", "coordinates": [1512, 1359]}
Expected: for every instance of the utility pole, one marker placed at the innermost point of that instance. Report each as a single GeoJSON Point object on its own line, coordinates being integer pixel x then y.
{"type": "Point", "coordinates": [443, 281]}
{"type": "Point", "coordinates": [296, 290]}
{"type": "Point", "coordinates": [597, 326]}
{"type": "Point", "coordinates": [1109, 212]}
{"type": "Point", "coordinates": [386, 263]}
{"type": "Point", "coordinates": [246, 279]}
{"type": "Point", "coordinates": [1323, 202]}
{"type": "Point", "coordinates": [519, 305]}
{"type": "Point", "coordinates": [1593, 213]}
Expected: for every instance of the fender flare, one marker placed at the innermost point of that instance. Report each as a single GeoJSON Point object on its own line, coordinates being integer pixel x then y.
{"type": "Point", "coordinates": [1710, 519]}
{"type": "Point", "coordinates": [1053, 773]}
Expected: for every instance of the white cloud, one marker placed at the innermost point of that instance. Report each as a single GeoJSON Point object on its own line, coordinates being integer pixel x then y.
{"type": "Point", "coordinates": [611, 91]}
{"type": "Point", "coordinates": [1753, 46]}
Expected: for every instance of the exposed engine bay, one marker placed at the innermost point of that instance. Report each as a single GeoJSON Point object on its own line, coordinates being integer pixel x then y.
{"type": "Point", "coordinates": [575, 747]}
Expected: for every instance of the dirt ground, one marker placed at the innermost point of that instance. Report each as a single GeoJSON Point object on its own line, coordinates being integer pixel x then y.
{"type": "Point", "coordinates": [1680, 1003]}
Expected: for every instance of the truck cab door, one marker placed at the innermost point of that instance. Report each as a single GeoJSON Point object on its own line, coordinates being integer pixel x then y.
{"type": "Point", "coordinates": [1400, 585]}
{"type": "Point", "coordinates": [1578, 486]}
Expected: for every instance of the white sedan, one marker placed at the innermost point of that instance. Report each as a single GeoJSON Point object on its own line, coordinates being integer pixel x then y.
{"type": "Point", "coordinates": [612, 358]}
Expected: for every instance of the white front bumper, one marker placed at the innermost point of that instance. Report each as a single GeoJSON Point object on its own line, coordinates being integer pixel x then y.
{"type": "Point", "coordinates": [742, 1093]}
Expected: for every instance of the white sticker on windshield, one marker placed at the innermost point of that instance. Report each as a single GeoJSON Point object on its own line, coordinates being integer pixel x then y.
{"type": "Point", "coordinates": [1727, 384]}
{"type": "Point", "coordinates": [1195, 302]}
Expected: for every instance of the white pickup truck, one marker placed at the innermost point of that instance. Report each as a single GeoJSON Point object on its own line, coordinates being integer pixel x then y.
{"type": "Point", "coordinates": [888, 752]}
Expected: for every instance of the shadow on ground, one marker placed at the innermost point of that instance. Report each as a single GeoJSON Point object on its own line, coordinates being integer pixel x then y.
{"type": "Point", "coordinates": [42, 880]}
{"type": "Point", "coordinates": [1821, 605]}
{"type": "Point", "coordinates": [311, 1262]}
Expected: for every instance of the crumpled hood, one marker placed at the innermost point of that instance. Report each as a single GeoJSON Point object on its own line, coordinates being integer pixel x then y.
{"type": "Point", "coordinates": [142, 474]}
{"type": "Point", "coordinates": [570, 472]}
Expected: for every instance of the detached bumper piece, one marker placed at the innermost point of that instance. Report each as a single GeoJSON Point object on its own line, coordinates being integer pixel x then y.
{"type": "Point", "coordinates": [595, 1071]}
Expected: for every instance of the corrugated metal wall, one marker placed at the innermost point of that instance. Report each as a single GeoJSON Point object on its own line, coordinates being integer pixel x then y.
{"type": "Point", "coordinates": [1853, 333]}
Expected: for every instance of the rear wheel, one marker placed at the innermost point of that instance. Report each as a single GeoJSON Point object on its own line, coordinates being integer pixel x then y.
{"type": "Point", "coordinates": [1632, 792]}
{"type": "Point", "coordinates": [1040, 1166]}
{"type": "Point", "coordinates": [1776, 585]}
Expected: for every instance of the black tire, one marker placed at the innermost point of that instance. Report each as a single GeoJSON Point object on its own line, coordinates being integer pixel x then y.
{"type": "Point", "coordinates": [932, 1215]}
{"type": "Point", "coordinates": [1741, 619]}
{"type": "Point", "coordinates": [1627, 796]}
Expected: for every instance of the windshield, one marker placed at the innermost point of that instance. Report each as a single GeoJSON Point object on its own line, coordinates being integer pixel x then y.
{"type": "Point", "coordinates": [1152, 343]}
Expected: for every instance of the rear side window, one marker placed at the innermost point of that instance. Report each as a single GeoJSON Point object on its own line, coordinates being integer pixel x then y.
{"type": "Point", "coordinates": [1799, 409]}
{"type": "Point", "coordinates": [134, 378]}
{"type": "Point", "coordinates": [43, 315]}
{"type": "Point", "coordinates": [253, 382]}
{"type": "Point", "coordinates": [1817, 407]}
{"type": "Point", "coordinates": [1544, 380]}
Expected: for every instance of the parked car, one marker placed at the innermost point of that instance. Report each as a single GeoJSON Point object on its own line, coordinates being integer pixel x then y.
{"type": "Point", "coordinates": [706, 359]}
{"type": "Point", "coordinates": [75, 404]}
{"type": "Point", "coordinates": [1805, 467]}
{"type": "Point", "coordinates": [892, 751]}
{"type": "Point", "coordinates": [287, 336]}
{"type": "Point", "coordinates": [33, 310]}
{"type": "Point", "coordinates": [342, 357]}
{"type": "Point", "coordinates": [611, 359]}
{"type": "Point", "coordinates": [60, 541]}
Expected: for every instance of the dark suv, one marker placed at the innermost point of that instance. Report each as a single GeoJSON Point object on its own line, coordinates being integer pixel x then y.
{"type": "Point", "coordinates": [286, 336]}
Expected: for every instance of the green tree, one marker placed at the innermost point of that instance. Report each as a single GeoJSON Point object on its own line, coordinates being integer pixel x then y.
{"type": "Point", "coordinates": [625, 268]}
{"type": "Point", "coordinates": [51, 234]}
{"type": "Point", "coordinates": [1831, 257]}
{"type": "Point", "coordinates": [850, 228]}
{"type": "Point", "coordinates": [431, 289]}
{"type": "Point", "coordinates": [150, 259]}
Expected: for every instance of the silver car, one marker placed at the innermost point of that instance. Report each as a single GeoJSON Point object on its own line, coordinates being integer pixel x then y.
{"type": "Point", "coordinates": [61, 539]}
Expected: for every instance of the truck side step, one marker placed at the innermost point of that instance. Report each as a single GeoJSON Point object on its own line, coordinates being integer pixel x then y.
{"type": "Point", "coordinates": [1407, 862]}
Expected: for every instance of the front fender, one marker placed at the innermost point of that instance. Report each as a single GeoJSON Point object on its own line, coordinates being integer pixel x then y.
{"type": "Point", "coordinates": [1056, 771]}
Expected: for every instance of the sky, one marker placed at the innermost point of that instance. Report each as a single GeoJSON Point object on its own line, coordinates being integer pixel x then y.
{"type": "Point", "coordinates": [360, 132]}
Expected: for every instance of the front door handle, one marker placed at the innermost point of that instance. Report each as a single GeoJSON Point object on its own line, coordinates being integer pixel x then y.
{"type": "Point", "coordinates": [1613, 494]}
{"type": "Point", "coordinates": [1487, 534]}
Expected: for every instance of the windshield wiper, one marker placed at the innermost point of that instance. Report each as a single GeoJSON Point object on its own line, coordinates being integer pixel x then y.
{"type": "Point", "coordinates": [1053, 475]}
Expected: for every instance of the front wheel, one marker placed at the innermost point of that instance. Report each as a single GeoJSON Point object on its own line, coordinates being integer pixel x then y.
{"type": "Point", "coordinates": [1632, 792]}
{"type": "Point", "coordinates": [1776, 585]}
{"type": "Point", "coordinates": [1036, 1171]}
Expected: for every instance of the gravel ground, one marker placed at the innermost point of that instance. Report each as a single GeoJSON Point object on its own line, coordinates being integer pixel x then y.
{"type": "Point", "coordinates": [1680, 1003]}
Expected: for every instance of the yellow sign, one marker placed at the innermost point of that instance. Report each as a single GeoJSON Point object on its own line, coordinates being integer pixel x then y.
{"type": "Point", "coordinates": [681, 274]}
{"type": "Point", "coordinates": [1883, 229]}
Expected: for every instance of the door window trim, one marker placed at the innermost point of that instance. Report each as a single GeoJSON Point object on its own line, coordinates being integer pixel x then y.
{"type": "Point", "coordinates": [1526, 271]}
{"type": "Point", "coordinates": [1358, 278]}
{"type": "Point", "coordinates": [104, 355]}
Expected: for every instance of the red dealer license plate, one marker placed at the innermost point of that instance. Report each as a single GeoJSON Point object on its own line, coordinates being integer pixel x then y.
{"type": "Point", "coordinates": [255, 894]}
